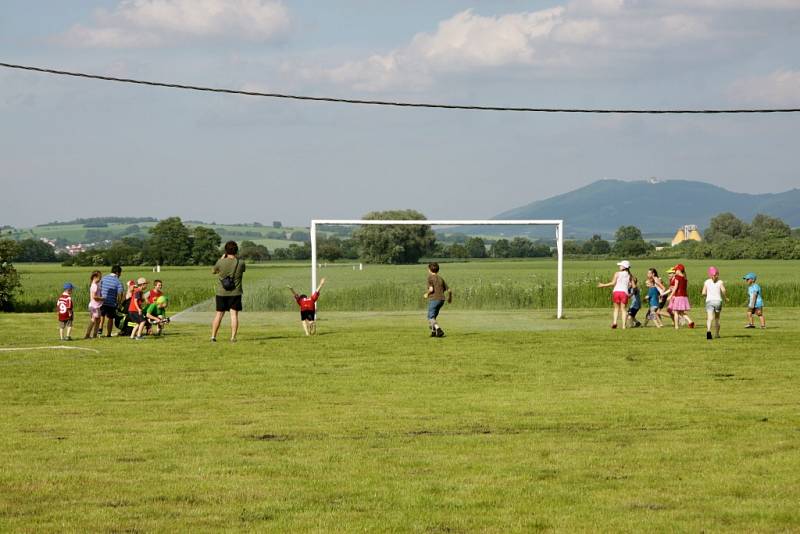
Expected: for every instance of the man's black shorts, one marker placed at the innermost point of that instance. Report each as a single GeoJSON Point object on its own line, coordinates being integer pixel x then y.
{"type": "Point", "coordinates": [135, 317]}
{"type": "Point", "coordinates": [108, 311]}
{"type": "Point", "coordinates": [229, 303]}
{"type": "Point", "coordinates": [307, 315]}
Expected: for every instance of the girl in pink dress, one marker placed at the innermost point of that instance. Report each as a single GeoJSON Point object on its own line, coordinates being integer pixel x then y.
{"type": "Point", "coordinates": [679, 299]}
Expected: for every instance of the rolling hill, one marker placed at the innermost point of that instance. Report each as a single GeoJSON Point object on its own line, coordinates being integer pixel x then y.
{"type": "Point", "coordinates": [656, 207]}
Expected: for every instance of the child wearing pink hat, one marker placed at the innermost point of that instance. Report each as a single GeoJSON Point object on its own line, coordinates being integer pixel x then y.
{"type": "Point", "coordinates": [714, 291]}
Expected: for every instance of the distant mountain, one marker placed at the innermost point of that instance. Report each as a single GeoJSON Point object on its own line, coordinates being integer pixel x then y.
{"type": "Point", "coordinates": [655, 207]}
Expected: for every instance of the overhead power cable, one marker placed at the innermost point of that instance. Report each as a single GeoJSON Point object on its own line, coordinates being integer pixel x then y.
{"type": "Point", "coordinates": [393, 103]}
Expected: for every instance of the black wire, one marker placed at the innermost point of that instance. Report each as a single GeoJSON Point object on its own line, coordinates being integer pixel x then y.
{"type": "Point", "coordinates": [395, 104]}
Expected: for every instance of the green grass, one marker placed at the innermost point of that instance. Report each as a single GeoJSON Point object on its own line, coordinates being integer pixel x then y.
{"type": "Point", "coordinates": [478, 285]}
{"type": "Point", "coordinates": [514, 422]}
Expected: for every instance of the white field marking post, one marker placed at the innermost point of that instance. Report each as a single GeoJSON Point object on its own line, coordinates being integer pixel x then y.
{"type": "Point", "coordinates": [558, 223]}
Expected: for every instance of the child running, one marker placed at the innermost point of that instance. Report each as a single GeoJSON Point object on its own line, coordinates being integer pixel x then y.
{"type": "Point", "coordinates": [653, 299]}
{"type": "Point", "coordinates": [715, 293]}
{"type": "Point", "coordinates": [65, 313]}
{"type": "Point", "coordinates": [636, 302]}
{"type": "Point", "coordinates": [679, 300]}
{"type": "Point", "coordinates": [308, 308]}
{"type": "Point", "coordinates": [619, 295]}
{"type": "Point", "coordinates": [95, 302]}
{"type": "Point", "coordinates": [755, 301]}
{"type": "Point", "coordinates": [135, 312]}
{"type": "Point", "coordinates": [437, 287]}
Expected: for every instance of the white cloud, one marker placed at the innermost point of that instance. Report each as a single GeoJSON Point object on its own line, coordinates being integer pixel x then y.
{"type": "Point", "coordinates": [148, 23]}
{"type": "Point", "coordinates": [581, 37]}
{"type": "Point", "coordinates": [780, 88]}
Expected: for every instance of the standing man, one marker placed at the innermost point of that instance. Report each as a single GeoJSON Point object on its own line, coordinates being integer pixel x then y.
{"type": "Point", "coordinates": [229, 270]}
{"type": "Point", "coordinates": [111, 290]}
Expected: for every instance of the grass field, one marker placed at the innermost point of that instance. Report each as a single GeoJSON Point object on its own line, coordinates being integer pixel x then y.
{"type": "Point", "coordinates": [481, 285]}
{"type": "Point", "coordinates": [514, 422]}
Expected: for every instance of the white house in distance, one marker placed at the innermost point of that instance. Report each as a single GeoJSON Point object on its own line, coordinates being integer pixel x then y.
{"type": "Point", "coordinates": [687, 233]}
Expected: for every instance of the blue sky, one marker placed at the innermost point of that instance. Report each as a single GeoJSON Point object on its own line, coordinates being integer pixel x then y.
{"type": "Point", "coordinates": [75, 148]}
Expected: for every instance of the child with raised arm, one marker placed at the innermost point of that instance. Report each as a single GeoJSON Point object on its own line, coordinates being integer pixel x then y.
{"type": "Point", "coordinates": [308, 308]}
{"type": "Point", "coordinates": [755, 301]}
{"type": "Point", "coordinates": [65, 313]}
{"type": "Point", "coordinates": [435, 294]}
{"type": "Point", "coordinates": [714, 291]}
{"type": "Point", "coordinates": [621, 281]}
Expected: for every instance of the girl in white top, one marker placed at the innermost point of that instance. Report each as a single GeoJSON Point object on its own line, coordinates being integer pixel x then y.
{"type": "Point", "coordinates": [95, 301]}
{"type": "Point", "coordinates": [714, 290]}
{"type": "Point", "coordinates": [621, 282]}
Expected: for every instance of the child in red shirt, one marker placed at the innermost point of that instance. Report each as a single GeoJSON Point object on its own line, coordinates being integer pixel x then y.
{"type": "Point", "coordinates": [156, 292]}
{"type": "Point", "coordinates": [308, 309]}
{"type": "Point", "coordinates": [65, 312]}
{"type": "Point", "coordinates": [135, 314]}
{"type": "Point", "coordinates": [679, 300]}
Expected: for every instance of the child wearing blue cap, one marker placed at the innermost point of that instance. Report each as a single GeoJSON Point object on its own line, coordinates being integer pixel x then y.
{"type": "Point", "coordinates": [755, 301]}
{"type": "Point", "coordinates": [65, 314]}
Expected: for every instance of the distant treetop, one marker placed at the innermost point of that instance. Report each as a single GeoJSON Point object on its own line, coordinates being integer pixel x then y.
{"type": "Point", "coordinates": [97, 221]}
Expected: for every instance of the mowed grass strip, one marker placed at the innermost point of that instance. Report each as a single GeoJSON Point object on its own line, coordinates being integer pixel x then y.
{"type": "Point", "coordinates": [371, 425]}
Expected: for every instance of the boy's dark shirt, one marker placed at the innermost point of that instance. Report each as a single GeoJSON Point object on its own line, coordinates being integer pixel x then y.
{"type": "Point", "coordinates": [439, 286]}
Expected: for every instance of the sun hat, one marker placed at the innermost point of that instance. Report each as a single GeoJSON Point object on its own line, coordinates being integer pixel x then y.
{"type": "Point", "coordinates": [625, 264]}
{"type": "Point", "coordinates": [141, 281]}
{"type": "Point", "coordinates": [68, 285]}
{"type": "Point", "coordinates": [671, 270]}
{"type": "Point", "coordinates": [712, 271]}
{"type": "Point", "coordinates": [680, 268]}
{"type": "Point", "coordinates": [161, 300]}
{"type": "Point", "coordinates": [749, 276]}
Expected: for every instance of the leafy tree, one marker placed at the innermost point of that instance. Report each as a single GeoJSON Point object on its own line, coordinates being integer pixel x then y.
{"type": "Point", "coordinates": [170, 242]}
{"type": "Point", "coordinates": [457, 250]}
{"type": "Point", "coordinates": [500, 249]}
{"type": "Point", "coordinates": [329, 248]}
{"type": "Point", "coordinates": [248, 250]}
{"type": "Point", "coordinates": [205, 245]}
{"type": "Point", "coordinates": [725, 226]}
{"type": "Point", "coordinates": [299, 235]}
{"type": "Point", "coordinates": [476, 247]}
{"type": "Point", "coordinates": [395, 244]}
{"type": "Point", "coordinates": [36, 251]}
{"type": "Point", "coordinates": [9, 278]}
{"type": "Point", "coordinates": [596, 245]}
{"type": "Point", "coordinates": [628, 233]}
{"type": "Point", "coordinates": [126, 251]}
{"type": "Point", "coordinates": [764, 228]}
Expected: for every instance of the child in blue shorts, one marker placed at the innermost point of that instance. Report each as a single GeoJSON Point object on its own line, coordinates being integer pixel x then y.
{"type": "Point", "coordinates": [755, 301]}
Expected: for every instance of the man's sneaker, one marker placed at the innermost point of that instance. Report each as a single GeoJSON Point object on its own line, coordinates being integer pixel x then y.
{"type": "Point", "coordinates": [708, 335]}
{"type": "Point", "coordinates": [749, 326]}
{"type": "Point", "coordinates": [439, 332]}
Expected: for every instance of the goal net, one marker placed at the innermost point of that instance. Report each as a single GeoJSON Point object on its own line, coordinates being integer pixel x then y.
{"type": "Point", "coordinates": [557, 224]}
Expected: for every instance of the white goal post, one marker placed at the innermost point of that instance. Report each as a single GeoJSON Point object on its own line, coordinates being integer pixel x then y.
{"type": "Point", "coordinates": [558, 223]}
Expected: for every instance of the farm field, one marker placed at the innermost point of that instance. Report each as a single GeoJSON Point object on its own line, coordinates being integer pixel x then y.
{"type": "Point", "coordinates": [479, 284]}
{"type": "Point", "coordinates": [514, 422]}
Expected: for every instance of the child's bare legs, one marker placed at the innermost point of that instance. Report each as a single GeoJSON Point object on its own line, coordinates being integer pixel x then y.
{"type": "Point", "coordinates": [710, 316]}
{"type": "Point", "coordinates": [305, 326]}
{"type": "Point", "coordinates": [89, 328]}
{"type": "Point", "coordinates": [716, 323]}
{"type": "Point", "coordinates": [61, 333]}
{"type": "Point", "coordinates": [676, 319]}
{"type": "Point", "coordinates": [760, 314]}
{"type": "Point", "coordinates": [312, 327]}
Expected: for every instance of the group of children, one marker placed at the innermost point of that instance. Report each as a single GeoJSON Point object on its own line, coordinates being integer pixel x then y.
{"type": "Point", "coordinates": [143, 312]}
{"type": "Point", "coordinates": [672, 300]}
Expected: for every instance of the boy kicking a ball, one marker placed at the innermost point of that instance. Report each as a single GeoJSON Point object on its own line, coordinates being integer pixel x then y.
{"type": "Point", "coordinates": [308, 308]}
{"type": "Point", "coordinates": [437, 287]}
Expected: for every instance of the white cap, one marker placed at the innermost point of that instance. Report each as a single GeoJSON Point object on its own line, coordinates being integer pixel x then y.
{"type": "Point", "coordinates": [141, 281]}
{"type": "Point", "coordinates": [625, 264]}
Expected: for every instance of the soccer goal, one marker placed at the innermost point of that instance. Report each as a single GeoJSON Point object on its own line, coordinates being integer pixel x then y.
{"type": "Point", "coordinates": [558, 224]}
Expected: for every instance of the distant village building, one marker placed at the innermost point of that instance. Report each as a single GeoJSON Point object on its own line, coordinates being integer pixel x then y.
{"type": "Point", "coordinates": [687, 233]}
